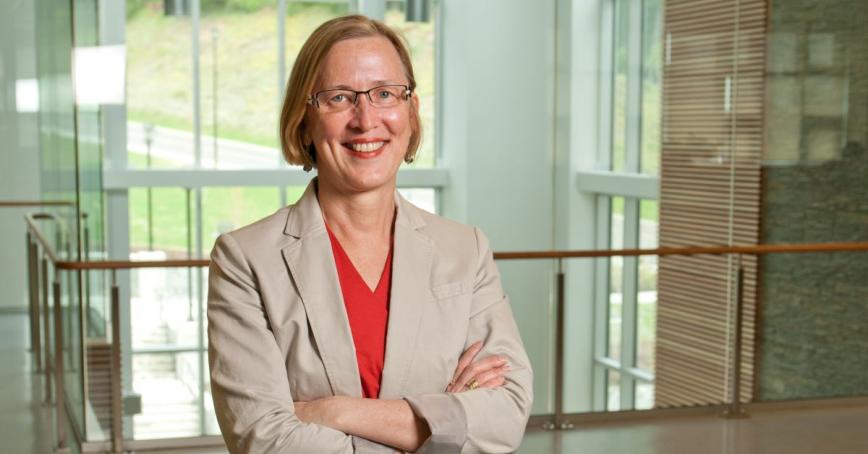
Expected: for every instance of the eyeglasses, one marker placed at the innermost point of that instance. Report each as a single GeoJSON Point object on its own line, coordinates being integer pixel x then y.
{"type": "Point", "coordinates": [337, 100]}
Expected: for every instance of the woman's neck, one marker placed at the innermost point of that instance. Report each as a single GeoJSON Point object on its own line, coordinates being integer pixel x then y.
{"type": "Point", "coordinates": [356, 217]}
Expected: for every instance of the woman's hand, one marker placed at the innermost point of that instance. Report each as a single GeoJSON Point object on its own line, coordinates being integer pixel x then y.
{"type": "Point", "coordinates": [487, 372]}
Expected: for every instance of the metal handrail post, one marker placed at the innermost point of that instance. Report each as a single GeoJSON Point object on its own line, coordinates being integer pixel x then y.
{"type": "Point", "coordinates": [58, 366]}
{"type": "Point", "coordinates": [735, 409]}
{"type": "Point", "coordinates": [33, 299]}
{"type": "Point", "coordinates": [560, 301]}
{"type": "Point", "coordinates": [46, 320]}
{"type": "Point", "coordinates": [117, 430]}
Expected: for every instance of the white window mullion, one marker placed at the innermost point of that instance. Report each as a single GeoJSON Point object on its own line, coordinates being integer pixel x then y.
{"type": "Point", "coordinates": [601, 302]}
{"type": "Point", "coordinates": [629, 287]}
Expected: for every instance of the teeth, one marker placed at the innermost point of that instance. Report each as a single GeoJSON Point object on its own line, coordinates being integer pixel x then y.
{"type": "Point", "coordinates": [366, 147]}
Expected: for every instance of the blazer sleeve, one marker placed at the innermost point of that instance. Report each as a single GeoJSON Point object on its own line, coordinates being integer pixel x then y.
{"type": "Point", "coordinates": [249, 385]}
{"type": "Point", "coordinates": [483, 420]}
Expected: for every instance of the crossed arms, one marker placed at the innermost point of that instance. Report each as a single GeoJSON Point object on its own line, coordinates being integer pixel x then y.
{"type": "Point", "coordinates": [257, 414]}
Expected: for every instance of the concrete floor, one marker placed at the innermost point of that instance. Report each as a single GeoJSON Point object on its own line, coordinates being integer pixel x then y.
{"type": "Point", "coordinates": [24, 423]}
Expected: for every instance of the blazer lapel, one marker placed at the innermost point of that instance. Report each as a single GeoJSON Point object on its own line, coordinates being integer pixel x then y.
{"type": "Point", "coordinates": [312, 267]}
{"type": "Point", "coordinates": [411, 289]}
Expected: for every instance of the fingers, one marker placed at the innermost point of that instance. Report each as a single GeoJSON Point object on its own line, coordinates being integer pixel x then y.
{"type": "Point", "coordinates": [494, 383]}
{"type": "Point", "coordinates": [492, 378]}
{"type": "Point", "coordinates": [466, 358]}
{"type": "Point", "coordinates": [475, 369]}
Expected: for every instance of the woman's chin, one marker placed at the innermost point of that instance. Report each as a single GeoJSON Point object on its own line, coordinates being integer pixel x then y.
{"type": "Point", "coordinates": [365, 180]}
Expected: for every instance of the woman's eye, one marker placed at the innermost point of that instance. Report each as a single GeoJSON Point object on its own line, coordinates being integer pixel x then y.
{"type": "Point", "coordinates": [338, 98]}
{"type": "Point", "coordinates": [385, 94]}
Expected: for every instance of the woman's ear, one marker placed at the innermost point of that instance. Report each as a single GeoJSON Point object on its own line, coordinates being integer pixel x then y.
{"type": "Point", "coordinates": [415, 100]}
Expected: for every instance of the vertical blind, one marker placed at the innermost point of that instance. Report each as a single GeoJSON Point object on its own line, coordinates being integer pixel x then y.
{"type": "Point", "coordinates": [710, 177]}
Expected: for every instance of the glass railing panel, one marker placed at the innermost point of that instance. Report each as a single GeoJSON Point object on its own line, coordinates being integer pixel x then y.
{"type": "Point", "coordinates": [73, 345]}
{"type": "Point", "coordinates": [529, 285]}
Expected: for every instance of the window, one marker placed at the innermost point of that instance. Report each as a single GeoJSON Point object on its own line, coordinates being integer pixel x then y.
{"type": "Point", "coordinates": [625, 362]}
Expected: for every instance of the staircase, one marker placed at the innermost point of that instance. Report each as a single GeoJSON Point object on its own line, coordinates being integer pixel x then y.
{"type": "Point", "coordinates": [168, 386]}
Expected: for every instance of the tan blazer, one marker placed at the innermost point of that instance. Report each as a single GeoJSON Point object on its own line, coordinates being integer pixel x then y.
{"type": "Point", "coordinates": [278, 333]}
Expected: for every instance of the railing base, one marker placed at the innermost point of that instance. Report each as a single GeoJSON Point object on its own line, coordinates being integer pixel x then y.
{"type": "Point", "coordinates": [735, 414]}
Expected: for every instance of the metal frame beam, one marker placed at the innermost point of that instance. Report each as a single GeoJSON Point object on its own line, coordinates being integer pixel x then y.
{"type": "Point", "coordinates": [198, 178]}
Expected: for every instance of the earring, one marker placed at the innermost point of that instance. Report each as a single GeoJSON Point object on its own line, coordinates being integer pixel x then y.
{"type": "Point", "coordinates": [409, 158]}
{"type": "Point", "coordinates": [310, 151]}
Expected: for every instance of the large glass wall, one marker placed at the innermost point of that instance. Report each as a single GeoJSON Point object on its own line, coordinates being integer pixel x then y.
{"type": "Point", "coordinates": [71, 156]}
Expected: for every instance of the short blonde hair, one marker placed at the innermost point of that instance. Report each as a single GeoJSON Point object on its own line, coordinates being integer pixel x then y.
{"type": "Point", "coordinates": [306, 70]}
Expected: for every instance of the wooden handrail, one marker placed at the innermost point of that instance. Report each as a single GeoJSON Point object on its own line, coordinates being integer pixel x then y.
{"type": "Point", "coordinates": [34, 203]}
{"type": "Point", "coordinates": [46, 246]}
{"type": "Point", "coordinates": [754, 249]}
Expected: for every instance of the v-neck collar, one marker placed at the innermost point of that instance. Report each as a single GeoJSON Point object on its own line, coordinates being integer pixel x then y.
{"type": "Point", "coordinates": [338, 248]}
{"type": "Point", "coordinates": [311, 265]}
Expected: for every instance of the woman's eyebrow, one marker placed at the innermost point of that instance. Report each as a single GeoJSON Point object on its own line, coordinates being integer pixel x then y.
{"type": "Point", "coordinates": [375, 83]}
{"type": "Point", "coordinates": [337, 87]}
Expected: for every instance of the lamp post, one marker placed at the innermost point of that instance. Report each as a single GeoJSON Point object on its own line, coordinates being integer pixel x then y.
{"type": "Point", "coordinates": [214, 35]}
{"type": "Point", "coordinates": [149, 139]}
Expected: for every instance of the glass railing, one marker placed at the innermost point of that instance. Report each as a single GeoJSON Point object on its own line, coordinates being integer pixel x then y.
{"type": "Point", "coordinates": [127, 359]}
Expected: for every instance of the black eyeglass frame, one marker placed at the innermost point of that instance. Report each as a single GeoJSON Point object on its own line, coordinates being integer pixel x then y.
{"type": "Point", "coordinates": [314, 101]}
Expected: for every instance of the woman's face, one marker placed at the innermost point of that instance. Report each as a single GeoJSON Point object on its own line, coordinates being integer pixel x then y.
{"type": "Point", "coordinates": [360, 149]}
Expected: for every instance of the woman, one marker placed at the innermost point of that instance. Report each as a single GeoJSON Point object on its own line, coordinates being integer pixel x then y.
{"type": "Point", "coordinates": [337, 324]}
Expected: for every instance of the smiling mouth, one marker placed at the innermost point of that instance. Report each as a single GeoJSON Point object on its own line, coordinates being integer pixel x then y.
{"type": "Point", "coordinates": [367, 147]}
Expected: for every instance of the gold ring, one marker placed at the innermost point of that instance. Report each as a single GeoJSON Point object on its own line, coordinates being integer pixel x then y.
{"type": "Point", "coordinates": [473, 384]}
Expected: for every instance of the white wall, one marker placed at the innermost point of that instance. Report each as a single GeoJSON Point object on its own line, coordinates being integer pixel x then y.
{"type": "Point", "coordinates": [497, 136]}
{"type": "Point", "coordinates": [520, 85]}
{"type": "Point", "coordinates": [19, 151]}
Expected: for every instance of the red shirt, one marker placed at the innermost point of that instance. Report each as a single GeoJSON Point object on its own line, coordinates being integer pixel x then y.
{"type": "Point", "coordinates": [368, 314]}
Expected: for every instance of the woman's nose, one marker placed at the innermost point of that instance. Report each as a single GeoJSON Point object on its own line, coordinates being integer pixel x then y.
{"type": "Point", "coordinates": [364, 114]}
